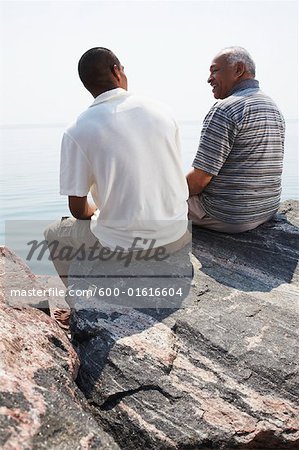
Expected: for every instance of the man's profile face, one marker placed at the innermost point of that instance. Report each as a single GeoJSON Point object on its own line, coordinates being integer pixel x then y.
{"type": "Point", "coordinates": [222, 77]}
{"type": "Point", "coordinates": [123, 80]}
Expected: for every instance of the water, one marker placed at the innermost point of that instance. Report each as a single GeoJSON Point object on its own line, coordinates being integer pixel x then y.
{"type": "Point", "coordinates": [30, 169]}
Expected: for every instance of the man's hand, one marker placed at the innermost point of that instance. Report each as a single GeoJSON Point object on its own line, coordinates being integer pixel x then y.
{"type": "Point", "coordinates": [197, 180]}
{"type": "Point", "coordinates": [80, 208]}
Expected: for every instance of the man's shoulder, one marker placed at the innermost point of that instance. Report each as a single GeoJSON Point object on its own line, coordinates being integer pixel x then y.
{"type": "Point", "coordinates": [128, 101]}
{"type": "Point", "coordinates": [224, 109]}
{"type": "Point", "coordinates": [150, 104]}
{"type": "Point", "coordinates": [84, 120]}
{"type": "Point", "coordinates": [237, 99]}
{"type": "Point", "coordinates": [242, 101]}
{"type": "Point", "coordinates": [78, 127]}
{"type": "Point", "coordinates": [131, 105]}
{"type": "Point", "coordinates": [227, 107]}
{"type": "Point", "coordinates": [248, 96]}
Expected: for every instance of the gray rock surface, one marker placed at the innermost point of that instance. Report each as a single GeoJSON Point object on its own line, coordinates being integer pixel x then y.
{"type": "Point", "coordinates": [16, 275]}
{"type": "Point", "coordinates": [41, 408]}
{"type": "Point", "coordinates": [219, 373]}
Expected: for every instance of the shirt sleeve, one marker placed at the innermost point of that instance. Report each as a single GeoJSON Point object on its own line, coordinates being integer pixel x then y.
{"type": "Point", "coordinates": [217, 137]}
{"type": "Point", "coordinates": [75, 169]}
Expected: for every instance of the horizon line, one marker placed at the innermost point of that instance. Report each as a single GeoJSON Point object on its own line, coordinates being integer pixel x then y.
{"type": "Point", "coordinates": [65, 124]}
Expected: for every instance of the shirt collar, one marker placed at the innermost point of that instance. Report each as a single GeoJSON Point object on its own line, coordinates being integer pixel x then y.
{"type": "Point", "coordinates": [245, 84]}
{"type": "Point", "coordinates": [108, 95]}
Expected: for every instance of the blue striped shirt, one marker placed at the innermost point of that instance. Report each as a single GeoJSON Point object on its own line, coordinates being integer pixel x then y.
{"type": "Point", "coordinates": [241, 144]}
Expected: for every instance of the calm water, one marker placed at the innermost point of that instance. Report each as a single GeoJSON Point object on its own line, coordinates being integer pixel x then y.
{"type": "Point", "coordinates": [30, 170]}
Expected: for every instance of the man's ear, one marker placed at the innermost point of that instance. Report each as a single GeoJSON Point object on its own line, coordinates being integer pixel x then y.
{"type": "Point", "coordinates": [240, 69]}
{"type": "Point", "coordinates": [116, 72]}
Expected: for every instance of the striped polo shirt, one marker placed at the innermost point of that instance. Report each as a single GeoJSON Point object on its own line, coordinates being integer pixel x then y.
{"type": "Point", "coordinates": [241, 144]}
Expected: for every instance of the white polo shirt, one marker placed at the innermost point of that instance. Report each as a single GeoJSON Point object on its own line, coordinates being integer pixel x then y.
{"type": "Point", "coordinates": [125, 150]}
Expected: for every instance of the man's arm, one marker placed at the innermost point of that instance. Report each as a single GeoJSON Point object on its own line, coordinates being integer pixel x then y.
{"type": "Point", "coordinates": [80, 208]}
{"type": "Point", "coordinates": [197, 180]}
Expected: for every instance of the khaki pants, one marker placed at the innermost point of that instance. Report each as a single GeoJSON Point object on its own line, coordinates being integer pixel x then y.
{"type": "Point", "coordinates": [73, 233]}
{"type": "Point", "coordinates": [199, 217]}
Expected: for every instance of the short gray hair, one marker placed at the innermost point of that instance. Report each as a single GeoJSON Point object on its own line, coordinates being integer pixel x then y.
{"type": "Point", "coordinates": [240, 54]}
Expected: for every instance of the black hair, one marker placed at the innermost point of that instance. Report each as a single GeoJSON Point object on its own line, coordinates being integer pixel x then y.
{"type": "Point", "coordinates": [95, 68]}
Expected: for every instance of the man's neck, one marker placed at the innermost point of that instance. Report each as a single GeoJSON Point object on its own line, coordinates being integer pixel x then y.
{"type": "Point", "coordinates": [245, 83]}
{"type": "Point", "coordinates": [100, 91]}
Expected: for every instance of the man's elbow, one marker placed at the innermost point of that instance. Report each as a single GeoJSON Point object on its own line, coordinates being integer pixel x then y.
{"type": "Point", "coordinates": [77, 207]}
{"type": "Point", "coordinates": [197, 181]}
{"type": "Point", "coordinates": [77, 215]}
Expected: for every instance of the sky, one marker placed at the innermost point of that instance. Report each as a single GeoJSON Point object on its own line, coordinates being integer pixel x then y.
{"type": "Point", "coordinates": [165, 46]}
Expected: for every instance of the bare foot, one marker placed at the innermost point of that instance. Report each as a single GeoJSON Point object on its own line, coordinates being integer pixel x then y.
{"type": "Point", "coordinates": [62, 317]}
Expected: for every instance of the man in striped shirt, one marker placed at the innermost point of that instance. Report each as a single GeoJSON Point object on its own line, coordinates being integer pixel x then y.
{"type": "Point", "coordinates": [235, 184]}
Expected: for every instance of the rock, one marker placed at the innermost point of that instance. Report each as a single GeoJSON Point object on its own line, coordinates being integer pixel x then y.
{"type": "Point", "coordinates": [55, 289]}
{"type": "Point", "coordinates": [290, 209]}
{"type": "Point", "coordinates": [220, 372]}
{"type": "Point", "coordinates": [18, 277]}
{"type": "Point", "coordinates": [40, 405]}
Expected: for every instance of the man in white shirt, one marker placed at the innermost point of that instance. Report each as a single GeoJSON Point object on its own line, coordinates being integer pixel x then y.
{"type": "Point", "coordinates": [125, 151]}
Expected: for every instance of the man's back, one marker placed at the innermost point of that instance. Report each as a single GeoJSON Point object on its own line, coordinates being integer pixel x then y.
{"type": "Point", "coordinates": [125, 150]}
